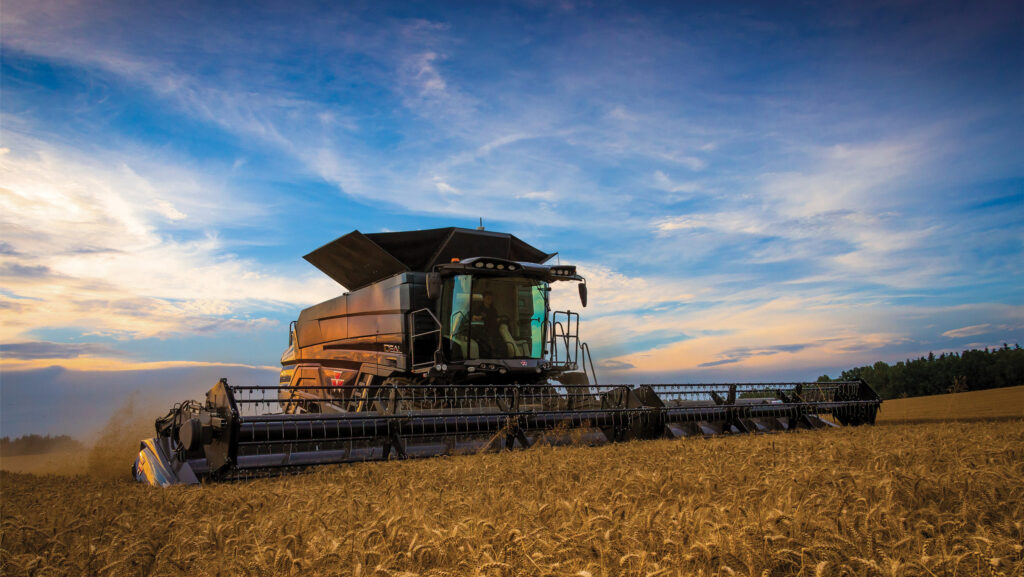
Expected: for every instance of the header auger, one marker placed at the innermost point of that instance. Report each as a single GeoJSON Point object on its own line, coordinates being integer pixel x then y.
{"type": "Point", "coordinates": [446, 344]}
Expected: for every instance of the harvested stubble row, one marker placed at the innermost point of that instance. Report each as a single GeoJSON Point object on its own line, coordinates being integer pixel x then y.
{"type": "Point", "coordinates": [938, 499]}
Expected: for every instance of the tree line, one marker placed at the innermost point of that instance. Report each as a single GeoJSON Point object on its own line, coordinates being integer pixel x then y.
{"type": "Point", "coordinates": [37, 445]}
{"type": "Point", "coordinates": [971, 370]}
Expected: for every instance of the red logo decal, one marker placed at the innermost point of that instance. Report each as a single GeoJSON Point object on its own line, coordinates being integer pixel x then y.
{"type": "Point", "coordinates": [522, 363]}
{"type": "Point", "coordinates": [337, 380]}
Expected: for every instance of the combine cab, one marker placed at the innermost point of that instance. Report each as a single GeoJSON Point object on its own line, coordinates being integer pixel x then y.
{"type": "Point", "coordinates": [447, 344]}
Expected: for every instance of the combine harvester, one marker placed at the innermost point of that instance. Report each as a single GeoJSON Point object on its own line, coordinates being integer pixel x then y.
{"type": "Point", "coordinates": [446, 344]}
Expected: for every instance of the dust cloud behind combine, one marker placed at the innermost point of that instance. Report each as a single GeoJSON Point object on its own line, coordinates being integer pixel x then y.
{"type": "Point", "coordinates": [76, 402]}
{"type": "Point", "coordinates": [111, 449]}
{"type": "Point", "coordinates": [117, 443]}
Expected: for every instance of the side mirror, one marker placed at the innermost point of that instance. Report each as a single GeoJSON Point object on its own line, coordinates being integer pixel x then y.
{"type": "Point", "coordinates": [583, 293]}
{"type": "Point", "coordinates": [433, 286]}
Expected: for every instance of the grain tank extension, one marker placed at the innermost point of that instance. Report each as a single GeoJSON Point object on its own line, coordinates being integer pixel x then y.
{"type": "Point", "coordinates": [447, 344]}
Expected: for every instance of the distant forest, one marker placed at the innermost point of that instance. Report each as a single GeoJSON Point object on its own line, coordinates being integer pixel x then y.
{"type": "Point", "coordinates": [971, 370]}
{"type": "Point", "coordinates": [37, 445]}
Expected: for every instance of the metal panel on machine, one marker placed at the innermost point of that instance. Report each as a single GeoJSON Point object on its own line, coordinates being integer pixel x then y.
{"type": "Point", "coordinates": [357, 260]}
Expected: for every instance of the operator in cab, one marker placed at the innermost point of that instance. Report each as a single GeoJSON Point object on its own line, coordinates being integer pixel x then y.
{"type": "Point", "coordinates": [489, 317]}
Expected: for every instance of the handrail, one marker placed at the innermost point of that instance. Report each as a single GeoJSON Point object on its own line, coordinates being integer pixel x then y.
{"type": "Point", "coordinates": [568, 334]}
{"type": "Point", "coordinates": [555, 325]}
{"type": "Point", "coordinates": [414, 335]}
{"type": "Point", "coordinates": [587, 358]}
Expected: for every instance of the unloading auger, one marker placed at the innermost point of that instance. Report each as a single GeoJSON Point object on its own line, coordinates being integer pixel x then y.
{"type": "Point", "coordinates": [445, 345]}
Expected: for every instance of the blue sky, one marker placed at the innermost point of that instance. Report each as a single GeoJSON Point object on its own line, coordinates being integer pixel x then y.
{"type": "Point", "coordinates": [754, 192]}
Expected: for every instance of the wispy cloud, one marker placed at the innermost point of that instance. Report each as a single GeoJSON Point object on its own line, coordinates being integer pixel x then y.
{"type": "Point", "coordinates": [839, 215]}
{"type": "Point", "coordinates": [970, 331]}
{"type": "Point", "coordinates": [47, 350]}
{"type": "Point", "coordinates": [663, 182]}
{"type": "Point", "coordinates": [90, 247]}
{"type": "Point", "coordinates": [542, 195]}
{"type": "Point", "coordinates": [742, 353]}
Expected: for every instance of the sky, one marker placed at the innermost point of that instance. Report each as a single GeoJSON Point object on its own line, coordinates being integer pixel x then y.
{"type": "Point", "coordinates": [754, 192]}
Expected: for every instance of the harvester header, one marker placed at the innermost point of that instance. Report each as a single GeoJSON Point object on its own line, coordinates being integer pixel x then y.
{"type": "Point", "coordinates": [447, 343]}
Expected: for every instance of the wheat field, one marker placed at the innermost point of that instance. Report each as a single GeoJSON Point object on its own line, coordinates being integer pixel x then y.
{"type": "Point", "coordinates": [1004, 403]}
{"type": "Point", "coordinates": [929, 499]}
